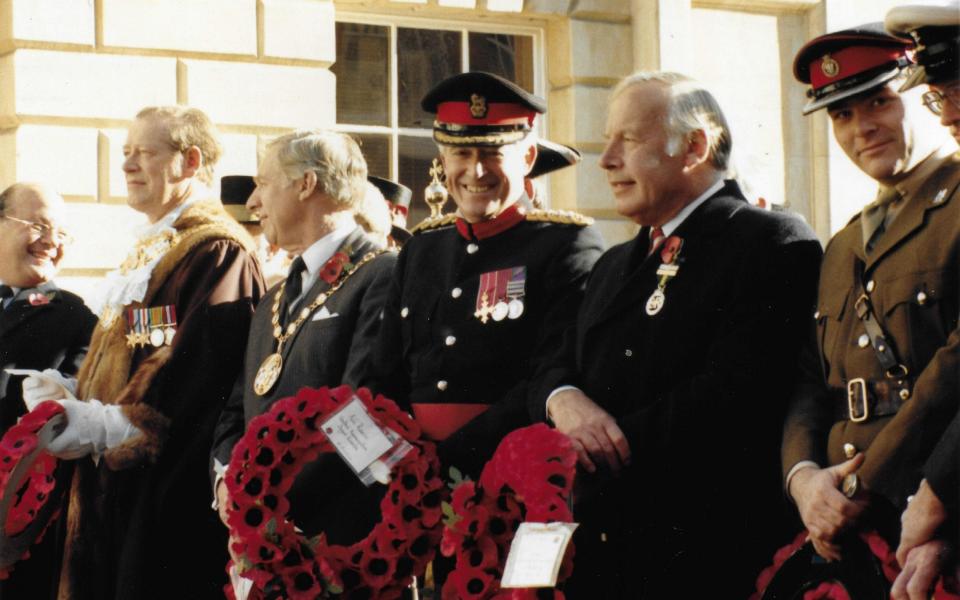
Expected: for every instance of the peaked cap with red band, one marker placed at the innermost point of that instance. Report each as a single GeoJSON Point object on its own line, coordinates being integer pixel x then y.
{"type": "Point", "coordinates": [481, 109]}
{"type": "Point", "coordinates": [849, 62]}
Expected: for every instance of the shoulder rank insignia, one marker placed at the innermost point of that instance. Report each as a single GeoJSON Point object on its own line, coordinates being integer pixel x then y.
{"type": "Point", "coordinates": [566, 217]}
{"type": "Point", "coordinates": [434, 222]}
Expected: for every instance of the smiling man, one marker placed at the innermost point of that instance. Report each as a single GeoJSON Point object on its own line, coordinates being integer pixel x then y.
{"type": "Point", "coordinates": [480, 296]}
{"type": "Point", "coordinates": [41, 327]}
{"type": "Point", "coordinates": [162, 361]}
{"type": "Point", "coordinates": [882, 378]}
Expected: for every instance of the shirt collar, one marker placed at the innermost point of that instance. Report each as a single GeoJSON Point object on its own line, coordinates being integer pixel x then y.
{"type": "Point", "coordinates": [670, 226]}
{"type": "Point", "coordinates": [322, 250]}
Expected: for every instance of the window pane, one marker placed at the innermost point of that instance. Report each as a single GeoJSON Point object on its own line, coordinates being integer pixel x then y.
{"type": "Point", "coordinates": [416, 156]}
{"type": "Point", "coordinates": [376, 149]}
{"type": "Point", "coordinates": [509, 56]}
{"type": "Point", "coordinates": [425, 57]}
{"type": "Point", "coordinates": [362, 71]}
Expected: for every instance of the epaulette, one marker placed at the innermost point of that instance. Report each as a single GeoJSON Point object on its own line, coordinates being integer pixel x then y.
{"type": "Point", "coordinates": [434, 222]}
{"type": "Point", "coordinates": [566, 217]}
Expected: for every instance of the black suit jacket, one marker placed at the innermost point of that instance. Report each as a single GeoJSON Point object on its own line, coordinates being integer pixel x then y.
{"type": "Point", "coordinates": [38, 336]}
{"type": "Point", "coordinates": [699, 390]}
{"type": "Point", "coordinates": [53, 335]}
{"type": "Point", "coordinates": [329, 352]}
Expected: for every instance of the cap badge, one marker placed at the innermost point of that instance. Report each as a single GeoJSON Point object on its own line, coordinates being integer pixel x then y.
{"type": "Point", "coordinates": [478, 106]}
{"type": "Point", "coordinates": [830, 67]}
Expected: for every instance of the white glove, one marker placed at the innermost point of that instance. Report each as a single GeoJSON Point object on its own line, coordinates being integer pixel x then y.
{"type": "Point", "coordinates": [92, 427]}
{"type": "Point", "coordinates": [48, 385]}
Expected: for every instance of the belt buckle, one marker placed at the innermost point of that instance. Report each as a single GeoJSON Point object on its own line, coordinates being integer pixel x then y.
{"type": "Point", "coordinates": [857, 395]}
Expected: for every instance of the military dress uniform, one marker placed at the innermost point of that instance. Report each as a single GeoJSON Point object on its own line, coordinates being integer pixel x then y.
{"type": "Point", "coordinates": [474, 306]}
{"type": "Point", "coordinates": [472, 310]}
{"type": "Point", "coordinates": [883, 377]}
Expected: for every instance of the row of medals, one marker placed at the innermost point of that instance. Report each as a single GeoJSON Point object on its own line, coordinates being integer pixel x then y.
{"type": "Point", "coordinates": [157, 337]}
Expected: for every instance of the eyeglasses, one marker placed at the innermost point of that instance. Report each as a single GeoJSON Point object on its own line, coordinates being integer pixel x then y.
{"type": "Point", "coordinates": [41, 229]}
{"type": "Point", "coordinates": [934, 100]}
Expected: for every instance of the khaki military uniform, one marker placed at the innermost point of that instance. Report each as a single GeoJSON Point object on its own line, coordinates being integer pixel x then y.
{"type": "Point", "coordinates": [911, 278]}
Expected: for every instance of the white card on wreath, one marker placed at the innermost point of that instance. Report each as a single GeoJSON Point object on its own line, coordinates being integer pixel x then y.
{"type": "Point", "coordinates": [536, 554]}
{"type": "Point", "coordinates": [356, 437]}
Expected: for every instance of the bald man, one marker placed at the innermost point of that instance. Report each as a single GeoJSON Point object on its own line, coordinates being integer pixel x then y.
{"type": "Point", "coordinates": [41, 327]}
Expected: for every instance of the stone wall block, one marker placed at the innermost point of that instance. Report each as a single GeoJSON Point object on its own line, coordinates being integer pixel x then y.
{"type": "Point", "coordinates": [303, 29]}
{"type": "Point", "coordinates": [65, 21]}
{"type": "Point", "coordinates": [63, 157]}
{"type": "Point", "coordinates": [602, 49]}
{"type": "Point", "coordinates": [221, 26]}
{"type": "Point", "coordinates": [66, 84]}
{"type": "Point", "coordinates": [613, 9]}
{"type": "Point", "coordinates": [591, 113]}
{"type": "Point", "coordinates": [593, 193]}
{"type": "Point", "coordinates": [265, 95]}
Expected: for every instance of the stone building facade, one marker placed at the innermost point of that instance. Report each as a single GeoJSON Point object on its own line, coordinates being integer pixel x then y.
{"type": "Point", "coordinates": [73, 73]}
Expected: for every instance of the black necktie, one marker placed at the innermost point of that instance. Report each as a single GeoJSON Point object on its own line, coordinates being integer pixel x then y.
{"type": "Point", "coordinates": [5, 292]}
{"type": "Point", "coordinates": [294, 284]}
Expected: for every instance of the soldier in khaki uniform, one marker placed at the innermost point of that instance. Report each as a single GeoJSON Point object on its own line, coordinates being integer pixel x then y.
{"type": "Point", "coordinates": [882, 383]}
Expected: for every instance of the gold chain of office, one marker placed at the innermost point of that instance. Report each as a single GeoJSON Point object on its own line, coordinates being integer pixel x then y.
{"type": "Point", "coordinates": [270, 368]}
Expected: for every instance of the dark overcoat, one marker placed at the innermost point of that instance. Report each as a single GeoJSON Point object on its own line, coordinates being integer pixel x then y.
{"type": "Point", "coordinates": [697, 389]}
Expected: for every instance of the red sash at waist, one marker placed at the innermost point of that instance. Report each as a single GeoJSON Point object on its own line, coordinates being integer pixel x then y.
{"type": "Point", "coordinates": [439, 421]}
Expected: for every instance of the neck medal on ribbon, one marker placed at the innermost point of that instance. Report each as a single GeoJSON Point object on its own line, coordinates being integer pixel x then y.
{"type": "Point", "coordinates": [336, 272]}
{"type": "Point", "coordinates": [667, 270]}
{"type": "Point", "coordinates": [500, 295]}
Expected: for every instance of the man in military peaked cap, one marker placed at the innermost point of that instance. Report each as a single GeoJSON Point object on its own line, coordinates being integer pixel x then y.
{"type": "Point", "coordinates": [480, 295]}
{"type": "Point", "coordinates": [881, 380]}
{"type": "Point", "coordinates": [935, 26]}
{"type": "Point", "coordinates": [929, 535]}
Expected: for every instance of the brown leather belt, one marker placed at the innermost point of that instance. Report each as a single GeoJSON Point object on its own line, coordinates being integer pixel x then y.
{"type": "Point", "coordinates": [867, 398]}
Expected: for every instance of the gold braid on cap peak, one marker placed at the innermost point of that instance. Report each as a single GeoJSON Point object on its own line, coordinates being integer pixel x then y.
{"type": "Point", "coordinates": [565, 217]}
{"type": "Point", "coordinates": [434, 222]}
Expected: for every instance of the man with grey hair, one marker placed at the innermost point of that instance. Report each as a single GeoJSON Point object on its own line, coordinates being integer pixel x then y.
{"type": "Point", "coordinates": [665, 383]}
{"type": "Point", "coordinates": [318, 327]}
{"type": "Point", "coordinates": [162, 360]}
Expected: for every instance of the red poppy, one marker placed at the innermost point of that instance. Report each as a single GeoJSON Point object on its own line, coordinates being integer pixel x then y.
{"type": "Point", "coordinates": [37, 299]}
{"type": "Point", "coordinates": [332, 269]}
{"type": "Point", "coordinates": [671, 249]}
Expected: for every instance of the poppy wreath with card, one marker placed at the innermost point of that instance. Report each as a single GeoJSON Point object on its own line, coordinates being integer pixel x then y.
{"type": "Point", "coordinates": [30, 502]}
{"type": "Point", "coordinates": [282, 562]}
{"type": "Point", "coordinates": [529, 479]}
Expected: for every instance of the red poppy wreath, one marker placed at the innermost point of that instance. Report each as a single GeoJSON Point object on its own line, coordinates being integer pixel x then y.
{"type": "Point", "coordinates": [282, 562]}
{"type": "Point", "coordinates": [830, 588]}
{"type": "Point", "coordinates": [528, 479]}
{"type": "Point", "coordinates": [28, 503]}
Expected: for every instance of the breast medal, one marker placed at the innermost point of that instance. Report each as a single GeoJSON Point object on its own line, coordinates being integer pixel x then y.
{"type": "Point", "coordinates": [500, 294]}
{"type": "Point", "coordinates": [667, 270]}
{"type": "Point", "coordinates": [656, 301]}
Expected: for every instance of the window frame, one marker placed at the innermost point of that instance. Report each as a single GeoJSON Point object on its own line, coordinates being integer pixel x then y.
{"type": "Point", "coordinates": [464, 28]}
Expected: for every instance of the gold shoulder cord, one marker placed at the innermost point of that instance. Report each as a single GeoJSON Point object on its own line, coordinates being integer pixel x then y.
{"type": "Point", "coordinates": [270, 368]}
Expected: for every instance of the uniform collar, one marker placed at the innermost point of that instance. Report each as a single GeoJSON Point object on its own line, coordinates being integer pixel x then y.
{"type": "Point", "coordinates": [509, 217]}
